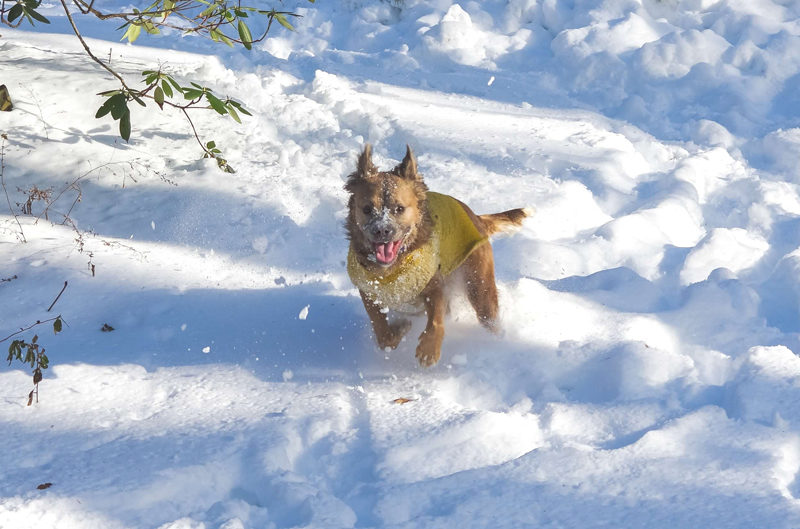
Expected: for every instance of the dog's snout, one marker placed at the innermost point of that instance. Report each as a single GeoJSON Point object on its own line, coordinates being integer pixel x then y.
{"type": "Point", "coordinates": [381, 231]}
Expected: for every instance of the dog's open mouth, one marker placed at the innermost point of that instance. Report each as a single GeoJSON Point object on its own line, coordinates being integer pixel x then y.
{"type": "Point", "coordinates": [386, 252]}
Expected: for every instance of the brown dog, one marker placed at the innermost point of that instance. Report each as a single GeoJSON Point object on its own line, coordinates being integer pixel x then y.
{"type": "Point", "coordinates": [405, 241]}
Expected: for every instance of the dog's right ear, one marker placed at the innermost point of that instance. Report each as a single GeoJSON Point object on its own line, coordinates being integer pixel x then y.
{"type": "Point", "coordinates": [365, 167]}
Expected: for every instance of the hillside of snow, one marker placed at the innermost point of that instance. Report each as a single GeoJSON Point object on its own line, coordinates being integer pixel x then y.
{"type": "Point", "coordinates": [646, 374]}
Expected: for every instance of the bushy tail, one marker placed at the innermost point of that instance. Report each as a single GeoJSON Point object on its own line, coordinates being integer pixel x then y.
{"type": "Point", "coordinates": [506, 221]}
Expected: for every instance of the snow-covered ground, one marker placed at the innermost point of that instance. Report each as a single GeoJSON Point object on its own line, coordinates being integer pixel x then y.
{"type": "Point", "coordinates": [646, 374]}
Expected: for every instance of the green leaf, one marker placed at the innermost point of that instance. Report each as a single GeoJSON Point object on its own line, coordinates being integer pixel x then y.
{"type": "Point", "coordinates": [29, 356]}
{"type": "Point", "coordinates": [240, 108]}
{"type": "Point", "coordinates": [174, 83]}
{"type": "Point", "coordinates": [14, 12]}
{"type": "Point", "coordinates": [210, 145]}
{"type": "Point", "coordinates": [14, 351]}
{"type": "Point", "coordinates": [191, 93]}
{"type": "Point", "coordinates": [104, 109]}
{"type": "Point", "coordinates": [167, 89]}
{"type": "Point", "coordinates": [119, 105]}
{"type": "Point", "coordinates": [57, 325]}
{"type": "Point", "coordinates": [244, 35]}
{"type": "Point", "coordinates": [150, 28]}
{"type": "Point", "coordinates": [44, 361]}
{"type": "Point", "coordinates": [217, 35]}
{"type": "Point", "coordinates": [37, 16]}
{"type": "Point", "coordinates": [132, 33]}
{"type": "Point", "coordinates": [158, 95]}
{"type": "Point", "coordinates": [283, 22]}
{"type": "Point", "coordinates": [137, 99]}
{"type": "Point", "coordinates": [216, 104]}
{"type": "Point", "coordinates": [125, 125]}
{"type": "Point", "coordinates": [233, 113]}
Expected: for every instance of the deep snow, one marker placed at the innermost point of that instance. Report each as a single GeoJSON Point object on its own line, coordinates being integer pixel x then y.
{"type": "Point", "coordinates": [646, 374]}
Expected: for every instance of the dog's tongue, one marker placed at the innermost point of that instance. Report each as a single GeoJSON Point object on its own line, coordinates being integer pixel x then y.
{"type": "Point", "coordinates": [386, 252]}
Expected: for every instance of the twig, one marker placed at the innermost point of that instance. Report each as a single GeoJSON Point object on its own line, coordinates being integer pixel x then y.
{"type": "Point", "coordinates": [57, 297]}
{"type": "Point", "coordinates": [3, 139]}
{"type": "Point", "coordinates": [88, 50]}
{"type": "Point", "coordinates": [29, 327]}
{"type": "Point", "coordinates": [38, 106]}
{"type": "Point", "coordinates": [194, 131]}
{"type": "Point", "coordinates": [72, 185]}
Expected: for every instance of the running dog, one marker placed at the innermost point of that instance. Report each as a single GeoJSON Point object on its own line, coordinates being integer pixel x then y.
{"type": "Point", "coordinates": [406, 243]}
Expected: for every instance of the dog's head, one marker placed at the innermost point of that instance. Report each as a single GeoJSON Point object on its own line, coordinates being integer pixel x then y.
{"type": "Point", "coordinates": [387, 209]}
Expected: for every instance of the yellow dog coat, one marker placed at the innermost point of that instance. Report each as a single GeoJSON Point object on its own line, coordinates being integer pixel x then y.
{"type": "Point", "coordinates": [454, 238]}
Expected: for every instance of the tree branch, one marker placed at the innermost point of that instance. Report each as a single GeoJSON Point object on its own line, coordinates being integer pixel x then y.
{"type": "Point", "coordinates": [29, 327]}
{"type": "Point", "coordinates": [88, 50]}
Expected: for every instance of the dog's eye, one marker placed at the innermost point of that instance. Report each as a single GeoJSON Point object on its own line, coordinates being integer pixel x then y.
{"type": "Point", "coordinates": [399, 209]}
{"type": "Point", "coordinates": [367, 210]}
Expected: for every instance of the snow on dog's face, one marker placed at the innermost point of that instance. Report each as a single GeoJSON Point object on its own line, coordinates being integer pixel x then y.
{"type": "Point", "coordinates": [387, 209]}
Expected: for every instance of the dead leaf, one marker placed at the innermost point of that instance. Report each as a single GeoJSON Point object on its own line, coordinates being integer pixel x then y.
{"type": "Point", "coordinates": [5, 100]}
{"type": "Point", "coordinates": [44, 486]}
{"type": "Point", "coordinates": [402, 400]}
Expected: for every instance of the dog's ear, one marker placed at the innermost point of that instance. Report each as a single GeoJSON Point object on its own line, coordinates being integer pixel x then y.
{"type": "Point", "coordinates": [365, 167]}
{"type": "Point", "coordinates": [408, 167]}
{"type": "Point", "coordinates": [364, 170]}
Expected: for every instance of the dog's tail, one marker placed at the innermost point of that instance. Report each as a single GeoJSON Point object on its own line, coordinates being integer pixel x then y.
{"type": "Point", "coordinates": [507, 221]}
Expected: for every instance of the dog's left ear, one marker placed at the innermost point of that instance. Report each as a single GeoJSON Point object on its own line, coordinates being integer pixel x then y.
{"type": "Point", "coordinates": [408, 167]}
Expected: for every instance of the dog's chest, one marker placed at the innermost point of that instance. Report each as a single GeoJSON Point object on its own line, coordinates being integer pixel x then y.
{"type": "Point", "coordinates": [453, 238]}
{"type": "Point", "coordinates": [400, 288]}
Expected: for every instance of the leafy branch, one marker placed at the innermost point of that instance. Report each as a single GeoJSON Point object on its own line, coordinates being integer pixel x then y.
{"type": "Point", "coordinates": [226, 21]}
{"type": "Point", "coordinates": [165, 90]}
{"type": "Point", "coordinates": [32, 353]}
{"type": "Point", "coordinates": [21, 10]}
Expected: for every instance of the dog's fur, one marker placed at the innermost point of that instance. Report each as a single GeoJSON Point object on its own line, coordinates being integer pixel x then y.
{"type": "Point", "coordinates": [388, 216]}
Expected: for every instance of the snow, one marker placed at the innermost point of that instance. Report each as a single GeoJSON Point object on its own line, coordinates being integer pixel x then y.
{"type": "Point", "coordinates": [646, 373]}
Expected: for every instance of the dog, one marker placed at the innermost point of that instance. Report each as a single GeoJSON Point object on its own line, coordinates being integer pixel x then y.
{"type": "Point", "coordinates": [407, 243]}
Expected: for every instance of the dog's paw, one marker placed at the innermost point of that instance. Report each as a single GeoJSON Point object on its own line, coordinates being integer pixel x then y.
{"type": "Point", "coordinates": [491, 325]}
{"type": "Point", "coordinates": [429, 349]}
{"type": "Point", "coordinates": [395, 335]}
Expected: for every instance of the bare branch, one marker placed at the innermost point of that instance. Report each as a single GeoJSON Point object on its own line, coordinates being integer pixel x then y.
{"type": "Point", "coordinates": [29, 327]}
{"type": "Point", "coordinates": [3, 139]}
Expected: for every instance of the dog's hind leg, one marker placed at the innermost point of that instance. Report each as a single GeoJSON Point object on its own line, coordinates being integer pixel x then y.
{"type": "Point", "coordinates": [481, 289]}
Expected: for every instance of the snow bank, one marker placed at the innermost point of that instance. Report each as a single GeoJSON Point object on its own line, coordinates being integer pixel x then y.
{"type": "Point", "coordinates": [646, 369]}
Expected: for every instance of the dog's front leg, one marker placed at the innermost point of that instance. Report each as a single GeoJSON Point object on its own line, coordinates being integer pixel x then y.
{"type": "Point", "coordinates": [430, 341]}
{"type": "Point", "coordinates": [386, 335]}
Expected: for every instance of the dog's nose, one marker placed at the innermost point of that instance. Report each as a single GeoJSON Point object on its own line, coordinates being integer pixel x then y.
{"type": "Point", "coordinates": [381, 231]}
